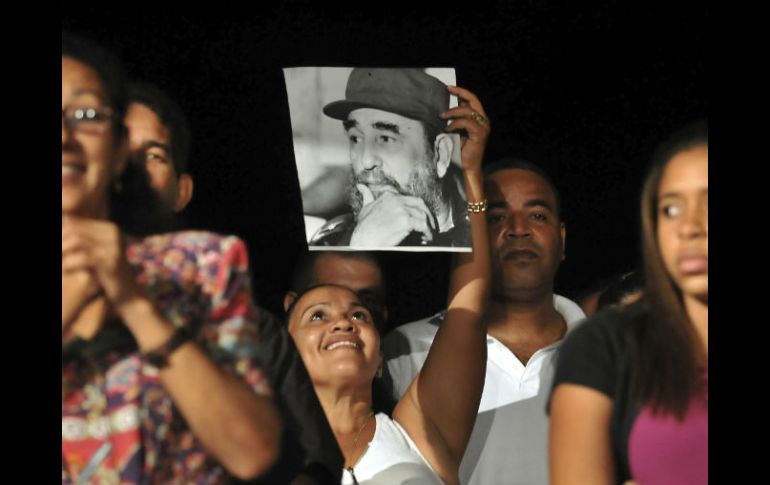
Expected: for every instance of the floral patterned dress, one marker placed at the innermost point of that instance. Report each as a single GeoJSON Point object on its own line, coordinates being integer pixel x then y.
{"type": "Point", "coordinates": [113, 400]}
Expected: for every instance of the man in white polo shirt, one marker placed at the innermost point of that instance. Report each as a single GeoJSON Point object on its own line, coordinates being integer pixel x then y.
{"type": "Point", "coordinates": [526, 323]}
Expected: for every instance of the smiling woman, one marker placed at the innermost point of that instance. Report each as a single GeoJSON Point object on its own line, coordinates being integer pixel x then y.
{"type": "Point", "coordinates": [336, 335]}
{"type": "Point", "coordinates": [152, 388]}
{"type": "Point", "coordinates": [350, 350]}
{"type": "Point", "coordinates": [93, 153]}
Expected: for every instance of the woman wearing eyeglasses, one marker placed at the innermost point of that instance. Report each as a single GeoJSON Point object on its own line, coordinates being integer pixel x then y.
{"type": "Point", "coordinates": [159, 378]}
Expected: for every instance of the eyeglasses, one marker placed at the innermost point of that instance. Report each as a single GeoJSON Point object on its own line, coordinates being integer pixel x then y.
{"type": "Point", "coordinates": [87, 120]}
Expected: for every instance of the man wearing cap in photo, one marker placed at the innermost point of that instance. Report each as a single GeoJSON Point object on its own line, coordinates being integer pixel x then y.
{"type": "Point", "coordinates": [405, 191]}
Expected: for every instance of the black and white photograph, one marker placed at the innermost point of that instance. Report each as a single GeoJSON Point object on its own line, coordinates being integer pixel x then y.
{"type": "Point", "coordinates": [377, 168]}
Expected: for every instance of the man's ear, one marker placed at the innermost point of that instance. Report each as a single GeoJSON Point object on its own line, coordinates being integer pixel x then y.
{"type": "Point", "coordinates": [289, 298]}
{"type": "Point", "coordinates": [184, 192]}
{"type": "Point", "coordinates": [442, 153]}
{"type": "Point", "coordinates": [563, 230]}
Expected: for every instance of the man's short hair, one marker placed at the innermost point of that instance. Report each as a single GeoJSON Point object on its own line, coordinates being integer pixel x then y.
{"type": "Point", "coordinates": [107, 66]}
{"type": "Point", "coordinates": [304, 271]}
{"type": "Point", "coordinates": [304, 278]}
{"type": "Point", "coordinates": [511, 163]}
{"type": "Point", "coordinates": [621, 287]}
{"type": "Point", "coordinates": [170, 115]}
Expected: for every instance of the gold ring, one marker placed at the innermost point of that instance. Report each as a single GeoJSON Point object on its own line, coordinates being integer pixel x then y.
{"type": "Point", "coordinates": [478, 118]}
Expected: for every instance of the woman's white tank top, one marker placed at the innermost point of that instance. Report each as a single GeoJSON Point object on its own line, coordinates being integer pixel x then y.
{"type": "Point", "coordinates": [391, 459]}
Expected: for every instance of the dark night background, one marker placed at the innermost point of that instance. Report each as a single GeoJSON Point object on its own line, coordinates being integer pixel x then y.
{"type": "Point", "coordinates": [586, 89]}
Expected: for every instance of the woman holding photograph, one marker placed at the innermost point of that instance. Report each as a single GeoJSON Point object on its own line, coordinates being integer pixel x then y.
{"type": "Point", "coordinates": [424, 440]}
{"type": "Point", "coordinates": [160, 382]}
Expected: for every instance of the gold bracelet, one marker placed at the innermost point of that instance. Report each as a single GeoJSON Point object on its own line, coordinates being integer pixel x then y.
{"type": "Point", "coordinates": [477, 207]}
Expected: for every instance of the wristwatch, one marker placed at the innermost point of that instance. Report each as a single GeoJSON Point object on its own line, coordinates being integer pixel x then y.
{"type": "Point", "coordinates": [159, 357]}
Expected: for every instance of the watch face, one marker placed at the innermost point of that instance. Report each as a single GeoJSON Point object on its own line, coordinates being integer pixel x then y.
{"type": "Point", "coordinates": [159, 357]}
{"type": "Point", "coordinates": [156, 360]}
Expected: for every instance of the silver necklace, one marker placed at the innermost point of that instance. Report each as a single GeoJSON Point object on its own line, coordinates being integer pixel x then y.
{"type": "Point", "coordinates": [355, 445]}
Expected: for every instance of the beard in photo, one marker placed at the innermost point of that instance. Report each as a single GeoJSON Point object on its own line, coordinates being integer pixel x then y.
{"type": "Point", "coordinates": [423, 183]}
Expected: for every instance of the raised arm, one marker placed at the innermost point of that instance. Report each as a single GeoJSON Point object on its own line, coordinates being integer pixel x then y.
{"type": "Point", "coordinates": [440, 406]}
